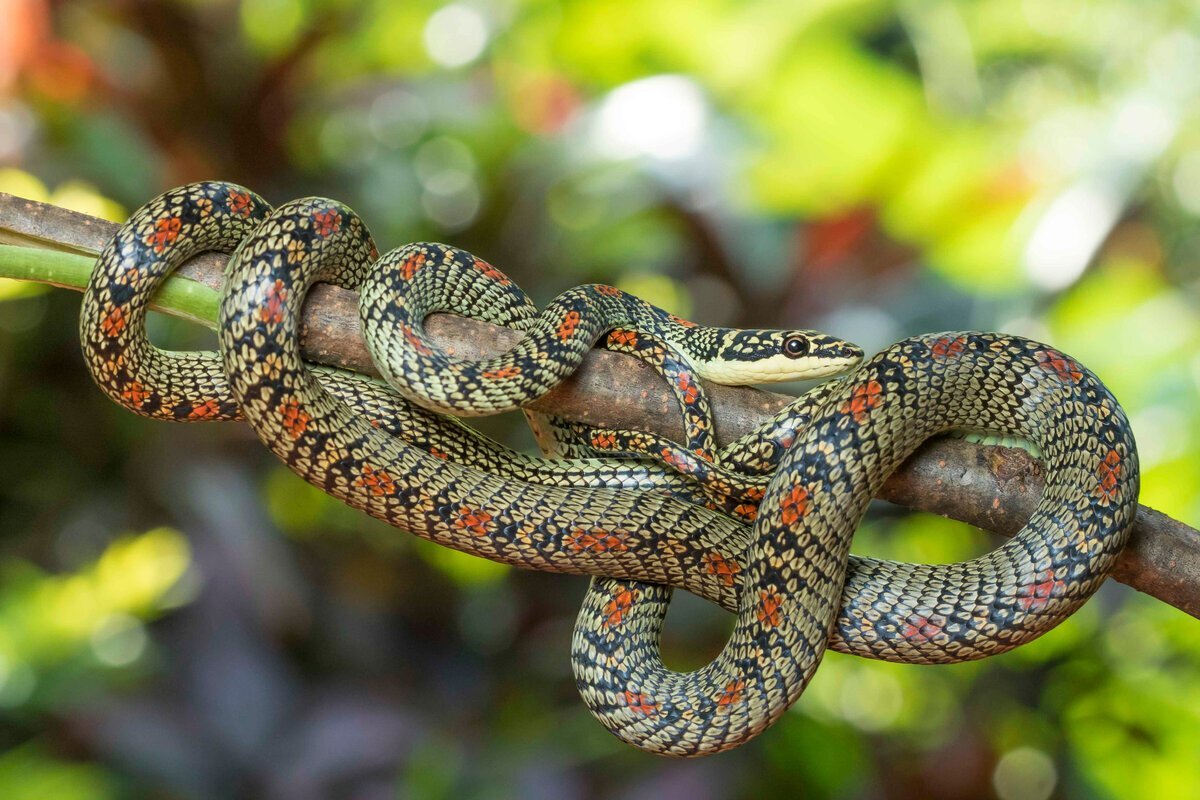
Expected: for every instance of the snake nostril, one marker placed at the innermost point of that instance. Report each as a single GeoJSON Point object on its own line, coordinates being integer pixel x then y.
{"type": "Point", "coordinates": [848, 351]}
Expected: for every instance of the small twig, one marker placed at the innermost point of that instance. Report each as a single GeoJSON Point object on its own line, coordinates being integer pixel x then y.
{"type": "Point", "coordinates": [993, 488]}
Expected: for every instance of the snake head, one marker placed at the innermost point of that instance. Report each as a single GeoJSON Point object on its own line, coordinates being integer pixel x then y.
{"type": "Point", "coordinates": [770, 356]}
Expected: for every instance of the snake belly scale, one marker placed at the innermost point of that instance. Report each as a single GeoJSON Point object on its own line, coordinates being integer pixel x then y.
{"type": "Point", "coordinates": [790, 578]}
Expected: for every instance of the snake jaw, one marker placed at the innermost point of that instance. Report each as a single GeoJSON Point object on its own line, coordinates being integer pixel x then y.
{"type": "Point", "coordinates": [775, 369]}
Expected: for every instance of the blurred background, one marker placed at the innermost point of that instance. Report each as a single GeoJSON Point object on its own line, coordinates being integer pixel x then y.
{"type": "Point", "coordinates": [180, 617]}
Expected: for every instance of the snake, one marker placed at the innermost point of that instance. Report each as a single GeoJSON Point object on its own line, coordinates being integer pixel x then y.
{"type": "Point", "coordinates": [789, 577]}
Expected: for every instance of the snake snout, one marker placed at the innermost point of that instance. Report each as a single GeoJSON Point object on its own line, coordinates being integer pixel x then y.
{"type": "Point", "coordinates": [846, 354]}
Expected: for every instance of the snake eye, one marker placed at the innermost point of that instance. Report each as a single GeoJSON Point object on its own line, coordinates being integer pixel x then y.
{"type": "Point", "coordinates": [795, 346]}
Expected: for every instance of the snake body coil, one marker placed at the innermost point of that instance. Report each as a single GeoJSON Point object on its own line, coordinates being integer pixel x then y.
{"type": "Point", "coordinates": [790, 577]}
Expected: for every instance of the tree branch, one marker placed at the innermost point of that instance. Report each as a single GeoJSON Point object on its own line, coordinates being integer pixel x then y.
{"type": "Point", "coordinates": [994, 488]}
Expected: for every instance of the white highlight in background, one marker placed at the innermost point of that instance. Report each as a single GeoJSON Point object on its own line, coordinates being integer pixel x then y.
{"type": "Point", "coordinates": [660, 117]}
{"type": "Point", "coordinates": [1070, 232]}
{"type": "Point", "coordinates": [455, 35]}
{"type": "Point", "coordinates": [1025, 773]}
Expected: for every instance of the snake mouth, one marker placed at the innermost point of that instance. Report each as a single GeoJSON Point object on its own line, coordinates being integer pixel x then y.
{"type": "Point", "coordinates": [832, 367]}
{"type": "Point", "coordinates": [781, 368]}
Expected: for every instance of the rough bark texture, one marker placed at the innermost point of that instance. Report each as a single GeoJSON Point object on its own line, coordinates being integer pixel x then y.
{"type": "Point", "coordinates": [993, 488]}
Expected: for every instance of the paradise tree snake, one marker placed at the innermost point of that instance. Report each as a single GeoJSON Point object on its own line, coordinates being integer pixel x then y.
{"type": "Point", "coordinates": [790, 578]}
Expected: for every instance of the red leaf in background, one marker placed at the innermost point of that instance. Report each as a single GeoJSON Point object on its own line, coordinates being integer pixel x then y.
{"type": "Point", "coordinates": [56, 69]}
{"type": "Point", "coordinates": [833, 239]}
{"type": "Point", "coordinates": [544, 103]}
{"type": "Point", "coordinates": [62, 72]}
{"type": "Point", "coordinates": [26, 25]}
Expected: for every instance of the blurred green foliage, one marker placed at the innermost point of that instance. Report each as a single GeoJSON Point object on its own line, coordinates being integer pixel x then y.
{"type": "Point", "coordinates": [872, 168]}
{"type": "Point", "coordinates": [48, 622]}
{"type": "Point", "coordinates": [63, 638]}
{"type": "Point", "coordinates": [27, 773]}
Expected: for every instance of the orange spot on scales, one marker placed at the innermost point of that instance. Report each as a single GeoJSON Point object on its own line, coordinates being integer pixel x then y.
{"type": "Point", "coordinates": [1109, 474]}
{"type": "Point", "coordinates": [919, 629]}
{"type": "Point", "coordinates": [376, 481]}
{"type": "Point", "coordinates": [724, 568]}
{"type": "Point", "coordinates": [567, 327]}
{"type": "Point", "coordinates": [410, 265]}
{"type": "Point", "coordinates": [1064, 368]}
{"type": "Point", "coordinates": [414, 341]}
{"type": "Point", "coordinates": [732, 694]}
{"type": "Point", "coordinates": [209, 408]}
{"type": "Point", "coordinates": [113, 323]}
{"type": "Point", "coordinates": [491, 272]}
{"type": "Point", "coordinates": [474, 521]}
{"type": "Point", "coordinates": [769, 605]}
{"type": "Point", "coordinates": [614, 610]}
{"type": "Point", "coordinates": [503, 372]}
{"type": "Point", "coordinates": [796, 504]}
{"type": "Point", "coordinates": [746, 511]}
{"type": "Point", "coordinates": [604, 441]}
{"type": "Point", "coordinates": [240, 203]}
{"type": "Point", "coordinates": [597, 541]}
{"type": "Point", "coordinates": [679, 461]}
{"type": "Point", "coordinates": [1037, 595]}
{"type": "Point", "coordinates": [326, 222]}
{"type": "Point", "coordinates": [272, 312]}
{"type": "Point", "coordinates": [948, 347]}
{"type": "Point", "coordinates": [135, 394]}
{"type": "Point", "coordinates": [622, 338]}
{"type": "Point", "coordinates": [640, 703]}
{"type": "Point", "coordinates": [166, 231]}
{"type": "Point", "coordinates": [295, 421]}
{"type": "Point", "coordinates": [686, 385]}
{"type": "Point", "coordinates": [864, 397]}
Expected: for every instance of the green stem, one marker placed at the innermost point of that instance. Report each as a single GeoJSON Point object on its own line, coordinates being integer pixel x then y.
{"type": "Point", "coordinates": [178, 297]}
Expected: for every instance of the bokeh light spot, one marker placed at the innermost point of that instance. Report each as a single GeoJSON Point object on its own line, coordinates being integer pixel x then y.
{"type": "Point", "coordinates": [1024, 773]}
{"type": "Point", "coordinates": [17, 682]}
{"type": "Point", "coordinates": [1186, 181]}
{"type": "Point", "coordinates": [871, 699]}
{"type": "Point", "coordinates": [660, 117]}
{"type": "Point", "coordinates": [398, 118]}
{"type": "Point", "coordinates": [455, 35]}
{"type": "Point", "coordinates": [118, 640]}
{"type": "Point", "coordinates": [1069, 234]}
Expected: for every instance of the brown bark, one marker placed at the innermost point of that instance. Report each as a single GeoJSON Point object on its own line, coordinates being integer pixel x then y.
{"type": "Point", "coordinates": [993, 488]}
